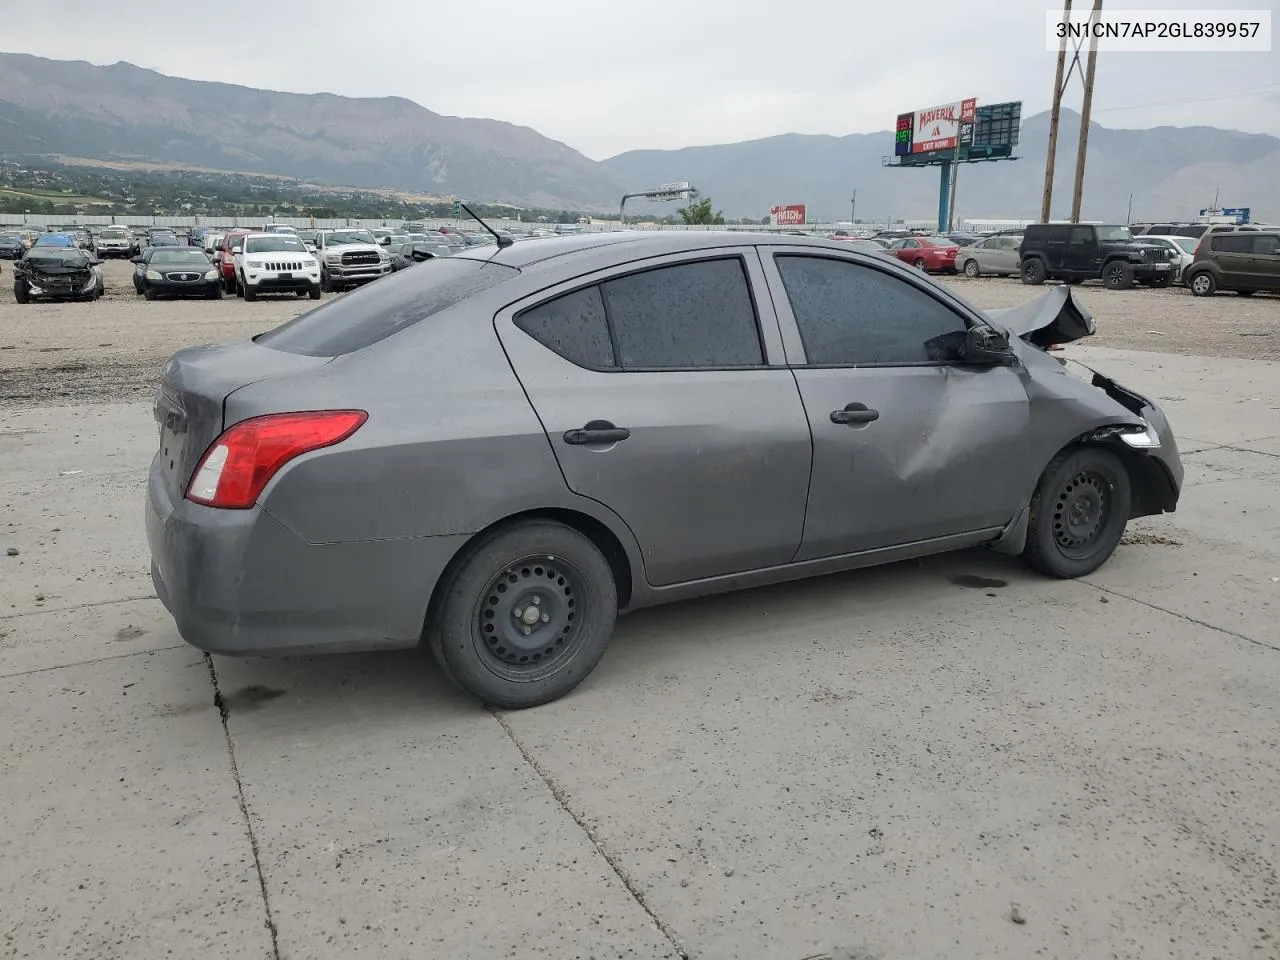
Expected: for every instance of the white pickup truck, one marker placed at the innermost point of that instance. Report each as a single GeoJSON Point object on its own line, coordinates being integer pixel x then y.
{"type": "Point", "coordinates": [350, 257]}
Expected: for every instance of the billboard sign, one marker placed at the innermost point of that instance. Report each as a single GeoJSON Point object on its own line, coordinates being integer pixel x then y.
{"type": "Point", "coordinates": [1238, 214]}
{"type": "Point", "coordinates": [679, 190]}
{"type": "Point", "coordinates": [936, 128]}
{"type": "Point", "coordinates": [787, 215]}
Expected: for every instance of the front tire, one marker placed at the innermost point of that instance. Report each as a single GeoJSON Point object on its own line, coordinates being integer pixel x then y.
{"type": "Point", "coordinates": [1203, 285]}
{"type": "Point", "coordinates": [20, 291]}
{"type": "Point", "coordinates": [148, 293]}
{"type": "Point", "coordinates": [250, 294]}
{"type": "Point", "coordinates": [314, 292]}
{"type": "Point", "coordinates": [1033, 272]}
{"type": "Point", "coordinates": [1078, 513]}
{"type": "Point", "coordinates": [1117, 276]}
{"type": "Point", "coordinates": [525, 616]}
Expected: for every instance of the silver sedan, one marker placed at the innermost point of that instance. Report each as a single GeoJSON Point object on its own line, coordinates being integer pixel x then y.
{"type": "Point", "coordinates": [992, 256]}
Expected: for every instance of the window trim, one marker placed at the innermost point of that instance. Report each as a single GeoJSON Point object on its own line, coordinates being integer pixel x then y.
{"type": "Point", "coordinates": [768, 333]}
{"type": "Point", "coordinates": [797, 357]}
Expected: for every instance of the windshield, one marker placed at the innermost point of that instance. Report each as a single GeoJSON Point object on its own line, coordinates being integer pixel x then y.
{"type": "Point", "coordinates": [10, 238]}
{"type": "Point", "coordinates": [1187, 244]}
{"type": "Point", "coordinates": [1114, 234]}
{"type": "Point", "coordinates": [355, 321]}
{"type": "Point", "coordinates": [66, 254]}
{"type": "Point", "coordinates": [349, 236]}
{"type": "Point", "coordinates": [179, 255]}
{"type": "Point", "coordinates": [113, 233]}
{"type": "Point", "coordinates": [274, 244]}
{"type": "Point", "coordinates": [307, 236]}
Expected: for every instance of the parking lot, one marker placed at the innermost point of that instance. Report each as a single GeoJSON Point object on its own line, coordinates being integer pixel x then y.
{"type": "Point", "coordinates": [944, 758]}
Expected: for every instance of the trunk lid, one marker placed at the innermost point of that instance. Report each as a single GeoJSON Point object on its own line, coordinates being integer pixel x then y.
{"type": "Point", "coordinates": [189, 406]}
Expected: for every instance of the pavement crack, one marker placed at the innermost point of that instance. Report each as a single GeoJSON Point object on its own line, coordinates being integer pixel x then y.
{"type": "Point", "coordinates": [220, 702]}
{"type": "Point", "coordinates": [75, 606]}
{"type": "Point", "coordinates": [631, 886]}
{"type": "Point", "coordinates": [81, 663]}
{"type": "Point", "coordinates": [1182, 616]}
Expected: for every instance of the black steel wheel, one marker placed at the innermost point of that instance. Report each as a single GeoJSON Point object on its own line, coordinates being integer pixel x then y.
{"type": "Point", "coordinates": [1033, 272]}
{"type": "Point", "coordinates": [1117, 275]}
{"type": "Point", "coordinates": [525, 616]}
{"type": "Point", "coordinates": [1078, 513]}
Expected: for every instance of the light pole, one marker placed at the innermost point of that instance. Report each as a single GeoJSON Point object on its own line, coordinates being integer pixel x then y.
{"type": "Point", "coordinates": [853, 209]}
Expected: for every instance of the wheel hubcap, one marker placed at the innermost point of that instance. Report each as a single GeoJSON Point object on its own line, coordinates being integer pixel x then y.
{"type": "Point", "coordinates": [528, 615]}
{"type": "Point", "coordinates": [1080, 513]}
{"type": "Point", "coordinates": [1200, 284]}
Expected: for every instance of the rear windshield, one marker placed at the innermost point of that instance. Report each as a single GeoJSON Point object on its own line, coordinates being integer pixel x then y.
{"type": "Point", "coordinates": [363, 317]}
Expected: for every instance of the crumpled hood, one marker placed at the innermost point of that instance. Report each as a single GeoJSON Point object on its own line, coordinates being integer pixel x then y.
{"type": "Point", "coordinates": [40, 267]}
{"type": "Point", "coordinates": [1056, 316]}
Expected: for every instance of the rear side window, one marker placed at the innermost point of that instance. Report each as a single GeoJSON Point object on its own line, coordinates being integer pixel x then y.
{"type": "Point", "coordinates": [574, 326]}
{"type": "Point", "coordinates": [1232, 243]}
{"type": "Point", "coordinates": [690, 315]}
{"type": "Point", "coordinates": [1266, 244]}
{"type": "Point", "coordinates": [372, 313]}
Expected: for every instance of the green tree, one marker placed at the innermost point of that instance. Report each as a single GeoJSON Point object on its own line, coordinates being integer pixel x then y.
{"type": "Point", "coordinates": [699, 212]}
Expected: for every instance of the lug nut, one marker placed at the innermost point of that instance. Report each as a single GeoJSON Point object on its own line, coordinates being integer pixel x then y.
{"type": "Point", "coordinates": [517, 613]}
{"type": "Point", "coordinates": [526, 631]}
{"type": "Point", "coordinates": [546, 618]}
{"type": "Point", "coordinates": [536, 601]}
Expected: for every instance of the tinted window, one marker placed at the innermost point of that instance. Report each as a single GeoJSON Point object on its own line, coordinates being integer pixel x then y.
{"type": "Point", "coordinates": [685, 316]}
{"type": "Point", "coordinates": [394, 303]}
{"type": "Point", "coordinates": [1266, 244]}
{"type": "Point", "coordinates": [1081, 235]}
{"type": "Point", "coordinates": [849, 314]}
{"type": "Point", "coordinates": [1232, 243]}
{"type": "Point", "coordinates": [574, 326]}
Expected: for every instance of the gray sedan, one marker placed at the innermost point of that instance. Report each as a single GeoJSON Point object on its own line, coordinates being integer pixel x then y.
{"type": "Point", "coordinates": [493, 454]}
{"type": "Point", "coordinates": [997, 255]}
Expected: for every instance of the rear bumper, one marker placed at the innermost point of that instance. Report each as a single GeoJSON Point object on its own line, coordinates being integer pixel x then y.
{"type": "Point", "coordinates": [238, 582]}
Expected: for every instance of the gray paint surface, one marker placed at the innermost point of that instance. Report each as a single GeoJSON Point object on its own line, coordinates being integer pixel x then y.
{"type": "Point", "coordinates": [729, 478]}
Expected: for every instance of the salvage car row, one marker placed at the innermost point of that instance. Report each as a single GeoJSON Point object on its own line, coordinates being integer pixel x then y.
{"type": "Point", "coordinates": [1243, 259]}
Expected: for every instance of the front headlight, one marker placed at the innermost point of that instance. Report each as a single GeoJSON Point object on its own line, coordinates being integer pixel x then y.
{"type": "Point", "coordinates": [211, 275]}
{"type": "Point", "coordinates": [1141, 439]}
{"type": "Point", "coordinates": [154, 275]}
{"type": "Point", "coordinates": [255, 264]}
{"type": "Point", "coordinates": [333, 257]}
{"type": "Point", "coordinates": [383, 256]}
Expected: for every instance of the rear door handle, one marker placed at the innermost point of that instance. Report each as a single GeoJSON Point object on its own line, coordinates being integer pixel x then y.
{"type": "Point", "coordinates": [855, 414]}
{"type": "Point", "coordinates": [597, 431]}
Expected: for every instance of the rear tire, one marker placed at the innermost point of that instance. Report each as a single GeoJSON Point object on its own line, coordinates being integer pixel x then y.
{"type": "Point", "coordinates": [1033, 272]}
{"type": "Point", "coordinates": [1078, 513]}
{"type": "Point", "coordinates": [971, 269]}
{"type": "Point", "coordinates": [1117, 276]}
{"type": "Point", "coordinates": [530, 570]}
{"type": "Point", "coordinates": [919, 264]}
{"type": "Point", "coordinates": [1203, 284]}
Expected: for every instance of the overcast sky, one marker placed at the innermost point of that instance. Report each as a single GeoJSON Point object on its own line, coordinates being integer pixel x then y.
{"type": "Point", "coordinates": [606, 76]}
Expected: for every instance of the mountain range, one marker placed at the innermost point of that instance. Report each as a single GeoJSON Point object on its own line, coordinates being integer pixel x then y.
{"type": "Point", "coordinates": [125, 112]}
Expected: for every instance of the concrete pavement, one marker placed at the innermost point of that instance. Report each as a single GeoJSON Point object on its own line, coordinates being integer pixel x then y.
{"type": "Point", "coordinates": [869, 765]}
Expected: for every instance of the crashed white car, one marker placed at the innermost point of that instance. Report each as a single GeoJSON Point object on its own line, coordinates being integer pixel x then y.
{"type": "Point", "coordinates": [276, 263]}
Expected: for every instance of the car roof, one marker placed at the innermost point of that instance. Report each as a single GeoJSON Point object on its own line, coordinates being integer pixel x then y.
{"type": "Point", "coordinates": [262, 234]}
{"type": "Point", "coordinates": [636, 244]}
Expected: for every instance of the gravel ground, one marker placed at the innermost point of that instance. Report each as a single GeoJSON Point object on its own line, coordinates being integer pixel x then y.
{"type": "Point", "coordinates": [113, 349]}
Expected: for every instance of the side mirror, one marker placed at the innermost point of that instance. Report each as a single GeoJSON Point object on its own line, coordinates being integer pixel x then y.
{"type": "Point", "coordinates": [385, 241]}
{"type": "Point", "coordinates": [235, 250]}
{"type": "Point", "coordinates": [986, 345]}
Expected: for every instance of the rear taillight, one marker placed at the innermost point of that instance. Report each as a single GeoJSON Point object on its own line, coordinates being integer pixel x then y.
{"type": "Point", "coordinates": [1204, 238]}
{"type": "Point", "coordinates": [242, 461]}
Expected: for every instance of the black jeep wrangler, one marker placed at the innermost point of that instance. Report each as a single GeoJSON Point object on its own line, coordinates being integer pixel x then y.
{"type": "Point", "coordinates": [1086, 251]}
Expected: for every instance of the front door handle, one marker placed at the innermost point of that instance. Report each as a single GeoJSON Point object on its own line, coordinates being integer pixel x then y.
{"type": "Point", "coordinates": [597, 431]}
{"type": "Point", "coordinates": [855, 415]}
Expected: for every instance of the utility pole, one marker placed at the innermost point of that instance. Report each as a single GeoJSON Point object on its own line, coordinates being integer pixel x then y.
{"type": "Point", "coordinates": [853, 209]}
{"type": "Point", "coordinates": [1085, 109]}
{"type": "Point", "coordinates": [1046, 199]}
{"type": "Point", "coordinates": [1128, 217]}
{"type": "Point", "coordinates": [955, 178]}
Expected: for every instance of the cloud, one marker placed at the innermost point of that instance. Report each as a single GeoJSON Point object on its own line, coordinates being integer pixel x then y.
{"type": "Point", "coordinates": [608, 77]}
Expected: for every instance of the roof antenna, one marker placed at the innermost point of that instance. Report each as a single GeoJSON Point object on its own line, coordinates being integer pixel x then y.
{"type": "Point", "coordinates": [502, 241]}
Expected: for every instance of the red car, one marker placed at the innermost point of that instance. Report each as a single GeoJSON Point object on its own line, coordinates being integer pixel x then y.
{"type": "Point", "coordinates": [226, 261]}
{"type": "Point", "coordinates": [931, 254]}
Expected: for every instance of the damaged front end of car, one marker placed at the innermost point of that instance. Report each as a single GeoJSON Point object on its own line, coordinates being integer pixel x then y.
{"type": "Point", "coordinates": [56, 278]}
{"type": "Point", "coordinates": [1069, 410]}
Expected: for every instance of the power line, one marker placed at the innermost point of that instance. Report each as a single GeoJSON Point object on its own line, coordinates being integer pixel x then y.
{"type": "Point", "coordinates": [1255, 91]}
